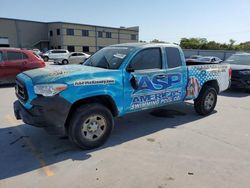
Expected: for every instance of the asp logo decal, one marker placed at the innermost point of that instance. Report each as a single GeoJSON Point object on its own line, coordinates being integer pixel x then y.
{"type": "Point", "coordinates": [158, 82]}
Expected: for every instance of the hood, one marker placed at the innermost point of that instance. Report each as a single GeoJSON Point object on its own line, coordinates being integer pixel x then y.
{"type": "Point", "coordinates": [239, 67]}
{"type": "Point", "coordinates": [66, 73]}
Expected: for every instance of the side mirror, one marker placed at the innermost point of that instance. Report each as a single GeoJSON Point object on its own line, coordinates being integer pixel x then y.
{"type": "Point", "coordinates": [130, 69]}
{"type": "Point", "coordinates": [134, 83]}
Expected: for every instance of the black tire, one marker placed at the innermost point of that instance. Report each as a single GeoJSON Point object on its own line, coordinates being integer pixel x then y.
{"type": "Point", "coordinates": [65, 62]}
{"type": "Point", "coordinates": [201, 106]}
{"type": "Point", "coordinates": [82, 115]}
{"type": "Point", "coordinates": [46, 58]}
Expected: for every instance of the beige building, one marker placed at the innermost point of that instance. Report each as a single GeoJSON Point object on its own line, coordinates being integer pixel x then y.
{"type": "Point", "coordinates": [62, 35]}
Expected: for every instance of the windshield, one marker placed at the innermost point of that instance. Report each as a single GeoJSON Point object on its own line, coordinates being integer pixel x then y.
{"type": "Point", "coordinates": [109, 57]}
{"type": "Point", "coordinates": [240, 59]}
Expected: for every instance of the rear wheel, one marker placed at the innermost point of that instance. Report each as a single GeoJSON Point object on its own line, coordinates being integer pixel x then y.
{"type": "Point", "coordinates": [90, 126]}
{"type": "Point", "coordinates": [206, 101]}
{"type": "Point", "coordinates": [65, 61]}
{"type": "Point", "coordinates": [46, 58]}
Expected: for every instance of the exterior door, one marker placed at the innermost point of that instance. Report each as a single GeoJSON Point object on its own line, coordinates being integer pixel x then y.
{"type": "Point", "coordinates": [74, 58]}
{"type": "Point", "coordinates": [176, 65]}
{"type": "Point", "coordinates": [152, 84]}
{"type": "Point", "coordinates": [144, 87]}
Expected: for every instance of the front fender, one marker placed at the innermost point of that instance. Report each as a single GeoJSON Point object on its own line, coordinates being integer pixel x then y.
{"type": "Point", "coordinates": [74, 94]}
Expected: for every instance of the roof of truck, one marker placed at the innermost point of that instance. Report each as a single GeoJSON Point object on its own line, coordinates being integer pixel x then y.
{"type": "Point", "coordinates": [142, 45]}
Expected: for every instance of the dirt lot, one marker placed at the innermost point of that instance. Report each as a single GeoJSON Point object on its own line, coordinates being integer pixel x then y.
{"type": "Point", "coordinates": [171, 147]}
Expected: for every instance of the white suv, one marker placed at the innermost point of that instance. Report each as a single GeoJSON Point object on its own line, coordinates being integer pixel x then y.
{"type": "Point", "coordinates": [55, 54]}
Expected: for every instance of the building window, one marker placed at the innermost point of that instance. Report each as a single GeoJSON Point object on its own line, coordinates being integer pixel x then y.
{"type": "Point", "coordinates": [58, 32]}
{"type": "Point", "coordinates": [51, 33]}
{"type": "Point", "coordinates": [59, 47]}
{"type": "Point", "coordinates": [71, 48]}
{"type": "Point", "coordinates": [70, 32]}
{"type": "Point", "coordinates": [100, 34]}
{"type": "Point", "coordinates": [85, 49]}
{"type": "Point", "coordinates": [133, 37]}
{"type": "Point", "coordinates": [108, 34]}
{"type": "Point", "coordinates": [85, 33]}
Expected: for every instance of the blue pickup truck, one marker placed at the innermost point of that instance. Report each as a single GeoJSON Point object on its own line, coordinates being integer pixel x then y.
{"type": "Point", "coordinates": [81, 101]}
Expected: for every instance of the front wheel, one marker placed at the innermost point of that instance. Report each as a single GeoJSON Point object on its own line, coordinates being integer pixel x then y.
{"type": "Point", "coordinates": [65, 62]}
{"type": "Point", "coordinates": [46, 58]}
{"type": "Point", "coordinates": [90, 126]}
{"type": "Point", "coordinates": [206, 101]}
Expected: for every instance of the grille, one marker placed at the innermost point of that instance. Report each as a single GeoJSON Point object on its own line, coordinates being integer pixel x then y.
{"type": "Point", "coordinates": [21, 91]}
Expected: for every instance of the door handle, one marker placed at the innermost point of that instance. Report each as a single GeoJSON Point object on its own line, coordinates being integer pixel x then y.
{"type": "Point", "coordinates": [161, 76]}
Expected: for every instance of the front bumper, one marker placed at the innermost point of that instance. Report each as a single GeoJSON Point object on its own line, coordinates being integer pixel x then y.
{"type": "Point", "coordinates": [47, 112]}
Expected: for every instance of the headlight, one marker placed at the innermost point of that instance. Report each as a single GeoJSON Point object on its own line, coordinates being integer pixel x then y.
{"type": "Point", "coordinates": [245, 72]}
{"type": "Point", "coordinates": [49, 90]}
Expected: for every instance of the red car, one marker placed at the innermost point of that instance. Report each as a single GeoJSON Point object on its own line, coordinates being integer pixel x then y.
{"type": "Point", "coordinates": [14, 61]}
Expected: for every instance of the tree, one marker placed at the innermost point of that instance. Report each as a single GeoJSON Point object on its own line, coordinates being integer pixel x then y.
{"type": "Point", "coordinates": [157, 41]}
{"type": "Point", "coordinates": [244, 46]}
{"type": "Point", "coordinates": [231, 44]}
{"type": "Point", "coordinates": [193, 43]}
{"type": "Point", "coordinates": [202, 43]}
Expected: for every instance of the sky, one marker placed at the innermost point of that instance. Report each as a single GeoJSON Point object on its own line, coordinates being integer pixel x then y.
{"type": "Point", "coordinates": [167, 20]}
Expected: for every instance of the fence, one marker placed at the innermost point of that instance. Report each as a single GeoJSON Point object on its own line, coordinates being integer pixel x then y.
{"type": "Point", "coordinates": [222, 54]}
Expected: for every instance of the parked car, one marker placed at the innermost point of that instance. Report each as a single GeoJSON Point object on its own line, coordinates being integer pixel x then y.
{"type": "Point", "coordinates": [193, 58]}
{"type": "Point", "coordinates": [14, 61]}
{"type": "Point", "coordinates": [38, 52]}
{"type": "Point", "coordinates": [55, 54]}
{"type": "Point", "coordinates": [209, 59]}
{"type": "Point", "coordinates": [72, 58]}
{"type": "Point", "coordinates": [240, 64]}
{"type": "Point", "coordinates": [82, 100]}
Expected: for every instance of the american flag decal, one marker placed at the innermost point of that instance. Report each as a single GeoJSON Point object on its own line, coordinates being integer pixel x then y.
{"type": "Point", "coordinates": [193, 87]}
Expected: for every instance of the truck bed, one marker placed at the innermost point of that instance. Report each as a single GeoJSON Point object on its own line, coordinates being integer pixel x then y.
{"type": "Point", "coordinates": [200, 74]}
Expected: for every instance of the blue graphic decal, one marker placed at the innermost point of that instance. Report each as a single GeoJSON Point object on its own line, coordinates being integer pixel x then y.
{"type": "Point", "coordinates": [157, 83]}
{"type": "Point", "coordinates": [155, 98]}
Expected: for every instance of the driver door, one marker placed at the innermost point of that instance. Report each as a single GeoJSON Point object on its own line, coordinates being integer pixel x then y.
{"type": "Point", "coordinates": [141, 90]}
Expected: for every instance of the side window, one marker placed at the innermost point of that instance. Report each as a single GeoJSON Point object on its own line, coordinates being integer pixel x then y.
{"type": "Point", "coordinates": [1, 56]}
{"type": "Point", "coordinates": [147, 59]}
{"type": "Point", "coordinates": [74, 54]}
{"type": "Point", "coordinates": [173, 57]}
{"type": "Point", "coordinates": [12, 56]}
{"type": "Point", "coordinates": [25, 56]}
